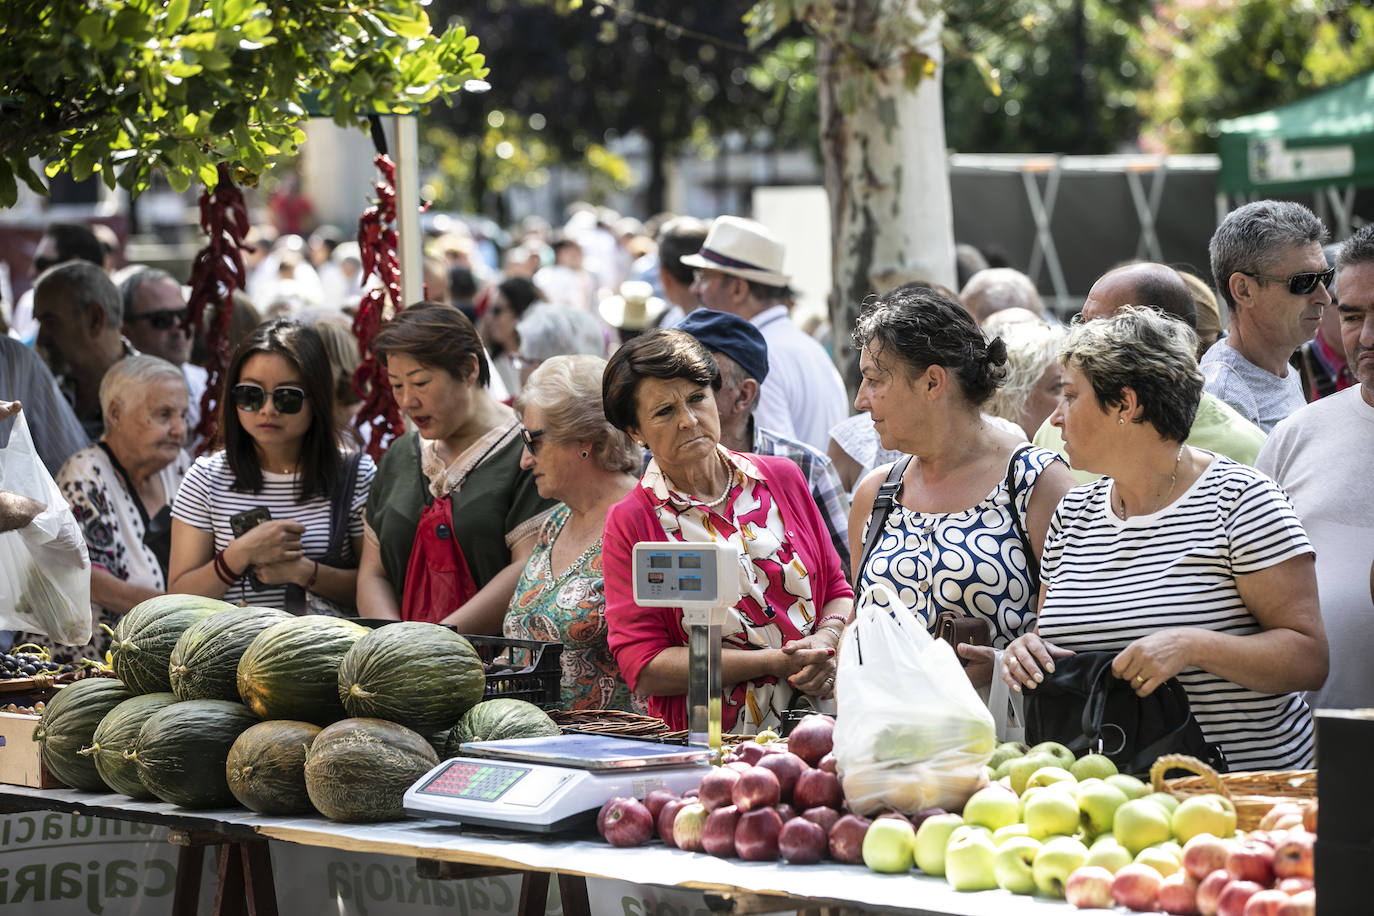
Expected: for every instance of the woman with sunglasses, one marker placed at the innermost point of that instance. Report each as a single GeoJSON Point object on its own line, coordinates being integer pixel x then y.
{"type": "Point", "coordinates": [275, 519]}
{"type": "Point", "coordinates": [453, 515]}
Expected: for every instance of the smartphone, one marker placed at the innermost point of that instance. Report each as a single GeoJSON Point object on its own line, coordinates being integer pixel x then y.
{"type": "Point", "coordinates": [247, 520]}
{"type": "Point", "coordinates": [958, 628]}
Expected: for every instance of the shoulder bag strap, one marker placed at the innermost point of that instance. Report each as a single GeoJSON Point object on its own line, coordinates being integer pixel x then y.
{"type": "Point", "coordinates": [1032, 564]}
{"type": "Point", "coordinates": [340, 510]}
{"type": "Point", "coordinates": [883, 502]}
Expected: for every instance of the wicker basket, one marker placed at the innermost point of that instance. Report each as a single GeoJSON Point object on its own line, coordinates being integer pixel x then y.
{"type": "Point", "coordinates": [1253, 792]}
{"type": "Point", "coordinates": [627, 725]}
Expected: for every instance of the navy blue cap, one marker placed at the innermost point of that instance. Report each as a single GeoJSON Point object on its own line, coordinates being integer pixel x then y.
{"type": "Point", "coordinates": [722, 332]}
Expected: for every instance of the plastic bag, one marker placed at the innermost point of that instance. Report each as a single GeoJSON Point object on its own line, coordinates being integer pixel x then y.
{"type": "Point", "coordinates": [911, 732]}
{"type": "Point", "coordinates": [45, 572]}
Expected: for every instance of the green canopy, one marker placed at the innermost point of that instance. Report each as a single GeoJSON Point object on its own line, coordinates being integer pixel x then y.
{"type": "Point", "coordinates": [1324, 140]}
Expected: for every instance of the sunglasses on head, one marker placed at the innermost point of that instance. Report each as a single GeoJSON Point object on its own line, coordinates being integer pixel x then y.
{"type": "Point", "coordinates": [162, 320]}
{"type": "Point", "coordinates": [285, 398]}
{"type": "Point", "coordinates": [1300, 284]}
{"type": "Point", "coordinates": [533, 439]}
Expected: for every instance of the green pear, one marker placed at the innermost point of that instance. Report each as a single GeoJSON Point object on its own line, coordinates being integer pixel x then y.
{"type": "Point", "coordinates": [1063, 757]}
{"type": "Point", "coordinates": [1133, 787]}
{"type": "Point", "coordinates": [1093, 765]}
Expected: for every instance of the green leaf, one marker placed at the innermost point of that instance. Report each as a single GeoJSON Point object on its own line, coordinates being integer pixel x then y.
{"type": "Point", "coordinates": [175, 16]}
{"type": "Point", "coordinates": [9, 190]}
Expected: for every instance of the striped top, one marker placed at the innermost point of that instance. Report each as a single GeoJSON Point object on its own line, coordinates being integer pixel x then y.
{"type": "Point", "coordinates": [1112, 582]}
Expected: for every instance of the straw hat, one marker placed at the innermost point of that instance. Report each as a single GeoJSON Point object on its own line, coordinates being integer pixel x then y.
{"type": "Point", "coordinates": [635, 309]}
{"type": "Point", "coordinates": [743, 248]}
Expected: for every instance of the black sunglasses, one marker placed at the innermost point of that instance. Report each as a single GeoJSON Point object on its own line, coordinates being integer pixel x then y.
{"type": "Point", "coordinates": [532, 439]}
{"type": "Point", "coordinates": [163, 319]}
{"type": "Point", "coordinates": [42, 264]}
{"type": "Point", "coordinates": [1300, 284]}
{"type": "Point", "coordinates": [285, 398]}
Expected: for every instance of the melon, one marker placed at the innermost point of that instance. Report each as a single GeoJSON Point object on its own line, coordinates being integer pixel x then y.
{"type": "Point", "coordinates": [204, 663]}
{"type": "Point", "coordinates": [358, 770]}
{"type": "Point", "coordinates": [497, 720]}
{"type": "Point", "coordinates": [419, 675]}
{"type": "Point", "coordinates": [114, 737]}
{"type": "Point", "coordinates": [291, 669]}
{"type": "Point", "coordinates": [181, 750]}
{"type": "Point", "coordinates": [68, 725]}
{"type": "Point", "coordinates": [144, 638]}
{"type": "Point", "coordinates": [266, 767]}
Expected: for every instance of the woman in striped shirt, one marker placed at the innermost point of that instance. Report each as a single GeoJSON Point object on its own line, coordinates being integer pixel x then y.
{"type": "Point", "coordinates": [1184, 562]}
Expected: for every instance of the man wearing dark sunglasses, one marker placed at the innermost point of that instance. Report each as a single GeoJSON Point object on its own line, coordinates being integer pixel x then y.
{"type": "Point", "coordinates": [1267, 261]}
{"type": "Point", "coordinates": [155, 323]}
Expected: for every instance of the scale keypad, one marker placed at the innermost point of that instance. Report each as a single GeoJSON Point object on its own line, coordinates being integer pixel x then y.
{"type": "Point", "coordinates": [479, 782]}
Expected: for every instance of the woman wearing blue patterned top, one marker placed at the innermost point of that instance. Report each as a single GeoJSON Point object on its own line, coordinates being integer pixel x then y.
{"type": "Point", "coordinates": [972, 495]}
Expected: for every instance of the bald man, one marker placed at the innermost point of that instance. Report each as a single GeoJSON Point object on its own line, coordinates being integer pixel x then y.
{"type": "Point", "coordinates": [996, 289]}
{"type": "Point", "coordinates": [1217, 426]}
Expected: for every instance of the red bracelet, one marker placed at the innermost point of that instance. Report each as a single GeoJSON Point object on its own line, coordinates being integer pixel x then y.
{"type": "Point", "coordinates": [314, 574]}
{"type": "Point", "coordinates": [222, 570]}
{"type": "Point", "coordinates": [844, 621]}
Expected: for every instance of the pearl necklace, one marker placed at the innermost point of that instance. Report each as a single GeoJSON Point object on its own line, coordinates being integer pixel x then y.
{"type": "Point", "coordinates": [1173, 481]}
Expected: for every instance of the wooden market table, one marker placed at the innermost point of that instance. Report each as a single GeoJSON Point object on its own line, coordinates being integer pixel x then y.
{"type": "Point", "coordinates": [729, 885]}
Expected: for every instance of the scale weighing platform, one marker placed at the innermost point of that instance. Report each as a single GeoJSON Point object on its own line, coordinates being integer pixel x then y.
{"type": "Point", "coordinates": [553, 784]}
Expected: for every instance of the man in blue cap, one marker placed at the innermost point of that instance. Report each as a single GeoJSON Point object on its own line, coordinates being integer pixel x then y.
{"type": "Point", "coordinates": [742, 354]}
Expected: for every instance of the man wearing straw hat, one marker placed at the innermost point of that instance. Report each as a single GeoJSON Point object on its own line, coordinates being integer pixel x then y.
{"type": "Point", "coordinates": [739, 270]}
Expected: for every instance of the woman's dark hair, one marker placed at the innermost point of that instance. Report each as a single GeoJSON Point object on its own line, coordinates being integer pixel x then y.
{"type": "Point", "coordinates": [520, 292]}
{"type": "Point", "coordinates": [922, 328]}
{"type": "Point", "coordinates": [660, 353]}
{"type": "Point", "coordinates": [321, 467]}
{"type": "Point", "coordinates": [435, 335]}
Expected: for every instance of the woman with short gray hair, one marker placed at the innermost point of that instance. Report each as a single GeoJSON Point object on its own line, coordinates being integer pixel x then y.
{"type": "Point", "coordinates": [1183, 562]}
{"type": "Point", "coordinates": [547, 330]}
{"type": "Point", "coordinates": [1031, 389]}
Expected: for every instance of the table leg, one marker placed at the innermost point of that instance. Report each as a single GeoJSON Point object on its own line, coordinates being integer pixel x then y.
{"type": "Point", "coordinates": [229, 890]}
{"type": "Point", "coordinates": [186, 896]}
{"type": "Point", "coordinates": [534, 893]}
{"type": "Point", "coordinates": [573, 891]}
{"type": "Point", "coordinates": [260, 889]}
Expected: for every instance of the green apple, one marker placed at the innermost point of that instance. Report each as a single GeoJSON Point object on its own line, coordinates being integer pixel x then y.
{"type": "Point", "coordinates": [1057, 860]}
{"type": "Point", "coordinates": [1012, 865]}
{"type": "Point", "coordinates": [1173, 848]}
{"type": "Point", "coordinates": [1140, 823]}
{"type": "Point", "coordinates": [1109, 854]}
{"type": "Point", "coordinates": [931, 841]}
{"type": "Point", "coordinates": [1005, 752]}
{"type": "Point", "coordinates": [1050, 812]}
{"type": "Point", "coordinates": [1022, 768]}
{"type": "Point", "coordinates": [1210, 813]}
{"type": "Point", "coordinates": [1049, 776]}
{"type": "Point", "coordinates": [889, 845]}
{"type": "Point", "coordinates": [992, 807]}
{"type": "Point", "coordinates": [1093, 765]}
{"type": "Point", "coordinates": [1085, 783]}
{"type": "Point", "coordinates": [1063, 757]}
{"type": "Point", "coordinates": [1133, 787]}
{"type": "Point", "coordinates": [1002, 834]}
{"type": "Point", "coordinates": [1165, 800]}
{"type": "Point", "coordinates": [969, 860]}
{"type": "Point", "coordinates": [1097, 806]}
{"type": "Point", "coordinates": [1160, 859]}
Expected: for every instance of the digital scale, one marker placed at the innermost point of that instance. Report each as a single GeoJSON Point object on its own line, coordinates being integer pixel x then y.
{"type": "Point", "coordinates": [552, 784]}
{"type": "Point", "coordinates": [558, 783]}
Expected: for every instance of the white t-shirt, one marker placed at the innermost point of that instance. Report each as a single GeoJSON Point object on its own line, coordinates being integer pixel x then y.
{"type": "Point", "coordinates": [207, 499]}
{"type": "Point", "coordinates": [1112, 582]}
{"type": "Point", "coordinates": [1258, 395]}
{"type": "Point", "coordinates": [1321, 457]}
{"type": "Point", "coordinates": [803, 396]}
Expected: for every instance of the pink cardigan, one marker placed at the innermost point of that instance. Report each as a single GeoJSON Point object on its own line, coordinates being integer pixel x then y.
{"type": "Point", "coordinates": [637, 634]}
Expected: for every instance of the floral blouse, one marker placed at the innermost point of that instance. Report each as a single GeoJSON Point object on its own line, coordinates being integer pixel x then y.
{"type": "Point", "coordinates": [570, 608]}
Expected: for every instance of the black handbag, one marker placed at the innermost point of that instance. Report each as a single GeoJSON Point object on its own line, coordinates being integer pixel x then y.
{"type": "Point", "coordinates": [1087, 708]}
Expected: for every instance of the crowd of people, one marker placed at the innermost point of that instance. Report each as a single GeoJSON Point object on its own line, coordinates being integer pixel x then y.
{"type": "Point", "coordinates": [1147, 479]}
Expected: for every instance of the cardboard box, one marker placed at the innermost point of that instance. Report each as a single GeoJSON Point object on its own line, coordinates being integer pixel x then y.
{"type": "Point", "coordinates": [20, 761]}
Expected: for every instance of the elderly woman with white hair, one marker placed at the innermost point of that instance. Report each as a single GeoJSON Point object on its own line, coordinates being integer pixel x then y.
{"type": "Point", "coordinates": [547, 330]}
{"type": "Point", "coordinates": [120, 490]}
{"type": "Point", "coordinates": [1030, 391]}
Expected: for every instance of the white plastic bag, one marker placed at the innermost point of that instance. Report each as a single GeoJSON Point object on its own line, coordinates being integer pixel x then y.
{"type": "Point", "coordinates": [1007, 708]}
{"type": "Point", "coordinates": [45, 572]}
{"type": "Point", "coordinates": [911, 732]}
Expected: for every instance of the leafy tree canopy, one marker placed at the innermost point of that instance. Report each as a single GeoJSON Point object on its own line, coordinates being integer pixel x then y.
{"type": "Point", "coordinates": [123, 87]}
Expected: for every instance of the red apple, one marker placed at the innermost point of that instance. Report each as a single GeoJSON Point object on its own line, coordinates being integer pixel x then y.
{"type": "Point", "coordinates": [1178, 894]}
{"type": "Point", "coordinates": [1204, 854]}
{"type": "Point", "coordinates": [847, 838]}
{"type": "Point", "coordinates": [666, 815]}
{"type": "Point", "coordinates": [717, 787]}
{"type": "Point", "coordinates": [718, 834]}
{"type": "Point", "coordinates": [825, 818]}
{"type": "Point", "coordinates": [919, 817]}
{"type": "Point", "coordinates": [687, 826]}
{"type": "Point", "coordinates": [1136, 886]}
{"type": "Point", "coordinates": [817, 787]}
{"type": "Point", "coordinates": [1293, 857]}
{"type": "Point", "coordinates": [1309, 816]}
{"type": "Point", "coordinates": [1251, 861]}
{"type": "Point", "coordinates": [656, 799]}
{"type": "Point", "coordinates": [1209, 890]}
{"type": "Point", "coordinates": [1303, 903]}
{"type": "Point", "coordinates": [692, 793]}
{"type": "Point", "coordinates": [1235, 896]}
{"type": "Point", "coordinates": [785, 811]}
{"type": "Point", "coordinates": [787, 767]}
{"type": "Point", "coordinates": [625, 822]}
{"type": "Point", "coordinates": [1265, 903]}
{"type": "Point", "coordinates": [756, 835]}
{"type": "Point", "coordinates": [1271, 817]}
{"type": "Point", "coordinates": [739, 766]}
{"type": "Point", "coordinates": [756, 788]}
{"type": "Point", "coordinates": [751, 752]}
{"type": "Point", "coordinates": [801, 842]}
{"type": "Point", "coordinates": [812, 738]}
{"type": "Point", "coordinates": [827, 763]}
{"type": "Point", "coordinates": [1291, 886]}
{"type": "Point", "coordinates": [1089, 887]}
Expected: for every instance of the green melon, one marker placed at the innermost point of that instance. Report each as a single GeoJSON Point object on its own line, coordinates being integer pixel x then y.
{"type": "Point", "coordinates": [204, 663]}
{"type": "Point", "coordinates": [291, 669]}
{"type": "Point", "coordinates": [115, 736]}
{"type": "Point", "coordinates": [145, 637]}
{"type": "Point", "coordinates": [68, 725]}
{"type": "Point", "coordinates": [181, 751]}
{"type": "Point", "coordinates": [419, 675]}
{"type": "Point", "coordinates": [497, 720]}
{"type": "Point", "coordinates": [266, 767]}
{"type": "Point", "coordinates": [358, 770]}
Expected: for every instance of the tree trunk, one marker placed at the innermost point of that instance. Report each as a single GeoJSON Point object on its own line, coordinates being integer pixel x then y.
{"type": "Point", "coordinates": [885, 172]}
{"type": "Point", "coordinates": [657, 192]}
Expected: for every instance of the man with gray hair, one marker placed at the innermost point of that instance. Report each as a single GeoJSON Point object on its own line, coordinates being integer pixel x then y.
{"type": "Point", "coordinates": [79, 316]}
{"type": "Point", "coordinates": [155, 323]}
{"type": "Point", "coordinates": [1267, 261]}
{"type": "Point", "coordinates": [996, 289]}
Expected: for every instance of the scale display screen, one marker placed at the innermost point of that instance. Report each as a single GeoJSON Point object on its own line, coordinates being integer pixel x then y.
{"type": "Point", "coordinates": [475, 782]}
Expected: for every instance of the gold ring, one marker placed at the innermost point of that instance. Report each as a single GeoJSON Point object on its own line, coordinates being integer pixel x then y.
{"type": "Point", "coordinates": [1138, 679]}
